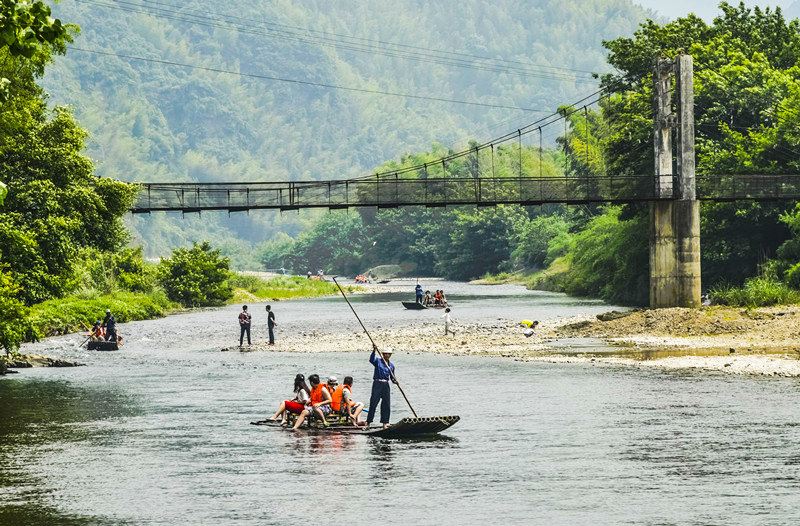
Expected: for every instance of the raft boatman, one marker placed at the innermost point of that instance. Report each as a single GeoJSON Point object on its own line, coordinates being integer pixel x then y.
{"type": "Point", "coordinates": [384, 373]}
{"type": "Point", "coordinates": [110, 325]}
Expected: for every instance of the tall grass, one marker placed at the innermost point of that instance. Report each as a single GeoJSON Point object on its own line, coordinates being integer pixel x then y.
{"type": "Point", "coordinates": [760, 291]}
{"type": "Point", "coordinates": [77, 313]}
{"type": "Point", "coordinates": [254, 288]}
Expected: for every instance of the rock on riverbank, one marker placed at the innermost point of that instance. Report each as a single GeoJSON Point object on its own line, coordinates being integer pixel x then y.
{"type": "Point", "coordinates": [25, 361]}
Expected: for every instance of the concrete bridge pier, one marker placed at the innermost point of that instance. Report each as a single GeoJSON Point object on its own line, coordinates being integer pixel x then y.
{"type": "Point", "coordinates": [674, 220]}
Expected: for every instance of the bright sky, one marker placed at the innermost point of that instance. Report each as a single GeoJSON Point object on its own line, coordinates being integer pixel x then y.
{"type": "Point", "coordinates": [707, 9]}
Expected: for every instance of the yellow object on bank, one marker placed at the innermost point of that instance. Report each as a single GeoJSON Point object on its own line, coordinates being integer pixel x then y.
{"type": "Point", "coordinates": [526, 323]}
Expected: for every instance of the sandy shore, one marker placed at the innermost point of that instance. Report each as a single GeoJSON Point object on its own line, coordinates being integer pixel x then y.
{"type": "Point", "coordinates": [736, 341]}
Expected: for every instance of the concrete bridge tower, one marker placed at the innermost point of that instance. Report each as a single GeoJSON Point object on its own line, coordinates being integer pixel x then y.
{"type": "Point", "coordinates": [675, 219]}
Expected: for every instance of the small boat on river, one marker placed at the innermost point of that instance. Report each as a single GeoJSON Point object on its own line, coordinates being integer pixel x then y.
{"type": "Point", "coordinates": [413, 305]}
{"type": "Point", "coordinates": [404, 428]}
{"type": "Point", "coordinates": [102, 345]}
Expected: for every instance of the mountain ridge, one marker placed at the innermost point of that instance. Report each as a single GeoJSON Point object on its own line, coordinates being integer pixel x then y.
{"type": "Point", "coordinates": [155, 122]}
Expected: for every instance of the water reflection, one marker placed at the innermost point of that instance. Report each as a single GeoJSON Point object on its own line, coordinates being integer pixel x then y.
{"type": "Point", "coordinates": [35, 416]}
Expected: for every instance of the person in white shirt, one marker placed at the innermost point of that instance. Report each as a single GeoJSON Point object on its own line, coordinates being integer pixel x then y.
{"type": "Point", "coordinates": [448, 322]}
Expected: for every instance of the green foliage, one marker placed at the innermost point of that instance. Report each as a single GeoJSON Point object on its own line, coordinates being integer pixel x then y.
{"type": "Point", "coordinates": [253, 288]}
{"type": "Point", "coordinates": [3, 192]}
{"type": "Point", "coordinates": [759, 291]}
{"type": "Point", "coordinates": [533, 248]}
{"type": "Point", "coordinates": [609, 259]}
{"type": "Point", "coordinates": [334, 244]}
{"type": "Point", "coordinates": [747, 97]}
{"type": "Point", "coordinates": [106, 272]}
{"type": "Point", "coordinates": [14, 324]}
{"type": "Point", "coordinates": [793, 276]}
{"type": "Point", "coordinates": [480, 241]}
{"type": "Point", "coordinates": [196, 277]}
{"type": "Point", "coordinates": [164, 123]}
{"type": "Point", "coordinates": [26, 27]}
{"type": "Point", "coordinates": [55, 205]}
{"type": "Point", "coordinates": [273, 253]}
{"type": "Point", "coordinates": [76, 313]}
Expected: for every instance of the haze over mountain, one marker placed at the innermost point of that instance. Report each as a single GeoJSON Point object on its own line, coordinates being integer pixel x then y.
{"type": "Point", "coordinates": [164, 121]}
{"type": "Point", "coordinates": [708, 9]}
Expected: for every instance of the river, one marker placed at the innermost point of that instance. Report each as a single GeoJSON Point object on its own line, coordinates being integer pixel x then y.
{"type": "Point", "coordinates": [158, 433]}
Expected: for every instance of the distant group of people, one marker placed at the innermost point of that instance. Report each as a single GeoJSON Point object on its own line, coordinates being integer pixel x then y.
{"type": "Point", "coordinates": [246, 321]}
{"type": "Point", "coordinates": [320, 275]}
{"type": "Point", "coordinates": [105, 330]}
{"type": "Point", "coordinates": [437, 299]}
{"type": "Point", "coordinates": [322, 401]}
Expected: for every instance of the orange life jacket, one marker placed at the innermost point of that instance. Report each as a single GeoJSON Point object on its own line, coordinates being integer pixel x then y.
{"type": "Point", "coordinates": [338, 394]}
{"type": "Point", "coordinates": [316, 393]}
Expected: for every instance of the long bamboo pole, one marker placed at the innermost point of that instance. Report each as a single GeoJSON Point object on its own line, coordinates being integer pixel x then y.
{"type": "Point", "coordinates": [375, 348]}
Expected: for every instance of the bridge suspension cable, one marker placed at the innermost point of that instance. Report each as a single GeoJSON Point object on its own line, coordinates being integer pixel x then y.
{"type": "Point", "coordinates": [536, 125]}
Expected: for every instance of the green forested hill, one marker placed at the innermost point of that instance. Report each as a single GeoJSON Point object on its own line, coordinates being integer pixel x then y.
{"type": "Point", "coordinates": [155, 122]}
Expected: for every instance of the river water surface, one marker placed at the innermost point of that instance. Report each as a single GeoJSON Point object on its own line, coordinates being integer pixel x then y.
{"type": "Point", "coordinates": [158, 433]}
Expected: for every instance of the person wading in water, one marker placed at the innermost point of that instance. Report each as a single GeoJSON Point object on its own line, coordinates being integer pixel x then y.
{"type": "Point", "coordinates": [271, 324]}
{"type": "Point", "coordinates": [384, 373]}
{"type": "Point", "coordinates": [244, 325]}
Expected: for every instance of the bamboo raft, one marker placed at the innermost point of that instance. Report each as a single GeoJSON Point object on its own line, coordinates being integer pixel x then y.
{"type": "Point", "coordinates": [102, 345]}
{"type": "Point", "coordinates": [404, 428]}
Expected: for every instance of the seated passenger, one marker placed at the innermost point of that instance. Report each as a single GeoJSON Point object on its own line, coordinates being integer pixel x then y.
{"type": "Point", "coordinates": [332, 384]}
{"type": "Point", "coordinates": [97, 333]}
{"type": "Point", "coordinates": [437, 298]}
{"type": "Point", "coordinates": [342, 401]}
{"type": "Point", "coordinates": [295, 405]}
{"type": "Point", "coordinates": [319, 405]}
{"type": "Point", "coordinates": [427, 299]}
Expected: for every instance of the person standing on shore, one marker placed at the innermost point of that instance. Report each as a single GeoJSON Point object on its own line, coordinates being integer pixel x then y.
{"type": "Point", "coordinates": [244, 325]}
{"type": "Point", "coordinates": [448, 322]}
{"type": "Point", "coordinates": [419, 293]}
{"type": "Point", "coordinates": [271, 324]}
{"type": "Point", "coordinates": [384, 373]}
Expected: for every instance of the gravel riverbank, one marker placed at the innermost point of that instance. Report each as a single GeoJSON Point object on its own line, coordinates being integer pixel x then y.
{"type": "Point", "coordinates": [758, 342]}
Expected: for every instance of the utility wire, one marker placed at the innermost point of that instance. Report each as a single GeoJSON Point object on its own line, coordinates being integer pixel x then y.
{"type": "Point", "coordinates": [305, 82]}
{"type": "Point", "coordinates": [380, 42]}
{"type": "Point", "coordinates": [285, 35]}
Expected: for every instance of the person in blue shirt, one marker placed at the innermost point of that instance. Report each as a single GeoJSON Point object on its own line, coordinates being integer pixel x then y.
{"type": "Point", "coordinates": [418, 290]}
{"type": "Point", "coordinates": [384, 373]}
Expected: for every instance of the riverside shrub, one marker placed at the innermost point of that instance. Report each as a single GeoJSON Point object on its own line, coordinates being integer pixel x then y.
{"type": "Point", "coordinates": [760, 291]}
{"type": "Point", "coordinates": [197, 276]}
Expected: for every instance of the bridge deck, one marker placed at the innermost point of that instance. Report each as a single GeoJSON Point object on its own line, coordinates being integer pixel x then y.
{"type": "Point", "coordinates": [439, 192]}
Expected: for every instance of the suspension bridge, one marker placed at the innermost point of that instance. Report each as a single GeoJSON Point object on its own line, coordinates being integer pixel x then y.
{"type": "Point", "coordinates": [469, 177]}
{"type": "Point", "coordinates": [454, 191]}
